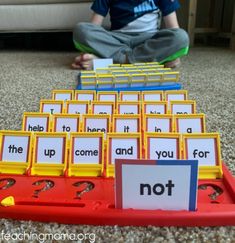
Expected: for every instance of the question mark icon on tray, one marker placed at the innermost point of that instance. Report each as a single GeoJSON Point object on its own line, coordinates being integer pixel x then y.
{"type": "Point", "coordinates": [213, 191]}
{"type": "Point", "coordinates": [85, 186]}
{"type": "Point", "coordinates": [9, 182]}
{"type": "Point", "coordinates": [48, 184]}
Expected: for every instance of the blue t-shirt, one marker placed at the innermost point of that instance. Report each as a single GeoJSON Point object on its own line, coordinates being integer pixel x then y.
{"type": "Point", "coordinates": [122, 12]}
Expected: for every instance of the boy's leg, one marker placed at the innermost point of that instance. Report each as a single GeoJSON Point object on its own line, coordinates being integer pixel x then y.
{"type": "Point", "coordinates": [165, 46]}
{"type": "Point", "coordinates": [95, 39]}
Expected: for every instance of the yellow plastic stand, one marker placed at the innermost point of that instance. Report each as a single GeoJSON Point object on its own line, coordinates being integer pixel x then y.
{"type": "Point", "coordinates": [103, 107]}
{"type": "Point", "coordinates": [135, 118]}
{"type": "Point", "coordinates": [84, 166]}
{"type": "Point", "coordinates": [37, 119]}
{"type": "Point", "coordinates": [177, 103]}
{"type": "Point", "coordinates": [163, 136]}
{"type": "Point", "coordinates": [52, 106]}
{"type": "Point", "coordinates": [189, 118]}
{"type": "Point", "coordinates": [204, 147]}
{"type": "Point", "coordinates": [63, 95]}
{"type": "Point", "coordinates": [149, 117]}
{"type": "Point", "coordinates": [85, 95]}
{"type": "Point", "coordinates": [67, 127]}
{"type": "Point", "coordinates": [128, 107]}
{"type": "Point", "coordinates": [77, 107]}
{"type": "Point", "coordinates": [15, 152]}
{"type": "Point", "coordinates": [45, 146]}
{"type": "Point", "coordinates": [153, 95]}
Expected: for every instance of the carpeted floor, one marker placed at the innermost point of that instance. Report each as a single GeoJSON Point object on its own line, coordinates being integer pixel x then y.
{"type": "Point", "coordinates": [207, 73]}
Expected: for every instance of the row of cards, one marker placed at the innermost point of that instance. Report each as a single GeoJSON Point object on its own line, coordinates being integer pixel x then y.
{"type": "Point", "coordinates": [125, 68]}
{"type": "Point", "coordinates": [91, 95]}
{"type": "Point", "coordinates": [129, 80]}
{"type": "Point", "coordinates": [121, 107]}
{"type": "Point", "coordinates": [87, 154]}
{"type": "Point", "coordinates": [181, 123]}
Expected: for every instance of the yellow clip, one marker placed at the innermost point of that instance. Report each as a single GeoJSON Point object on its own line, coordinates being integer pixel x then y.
{"type": "Point", "coordinates": [8, 201]}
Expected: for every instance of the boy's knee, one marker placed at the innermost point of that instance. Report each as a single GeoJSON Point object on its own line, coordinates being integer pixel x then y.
{"type": "Point", "coordinates": [181, 38]}
{"type": "Point", "coordinates": [81, 32]}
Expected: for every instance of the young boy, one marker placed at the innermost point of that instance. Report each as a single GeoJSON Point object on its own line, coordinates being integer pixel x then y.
{"type": "Point", "coordinates": [135, 34]}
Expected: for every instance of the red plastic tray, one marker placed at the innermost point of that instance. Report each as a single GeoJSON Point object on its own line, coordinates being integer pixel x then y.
{"type": "Point", "coordinates": [93, 203]}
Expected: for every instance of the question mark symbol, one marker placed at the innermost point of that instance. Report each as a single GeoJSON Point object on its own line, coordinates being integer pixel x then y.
{"type": "Point", "coordinates": [217, 191]}
{"type": "Point", "coordinates": [9, 182]}
{"type": "Point", "coordinates": [48, 185]}
{"type": "Point", "coordinates": [86, 186]}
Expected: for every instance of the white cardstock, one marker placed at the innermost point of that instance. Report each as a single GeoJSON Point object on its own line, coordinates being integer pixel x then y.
{"type": "Point", "coordinates": [50, 150]}
{"type": "Point", "coordinates": [66, 124]}
{"type": "Point", "coordinates": [158, 125]}
{"type": "Point", "coordinates": [124, 148]}
{"type": "Point", "coordinates": [163, 148]}
{"type": "Point", "coordinates": [52, 108]}
{"type": "Point", "coordinates": [128, 109]}
{"type": "Point", "coordinates": [107, 97]}
{"type": "Point", "coordinates": [85, 97]}
{"type": "Point", "coordinates": [152, 97]}
{"type": "Point", "coordinates": [127, 125]}
{"type": "Point", "coordinates": [190, 125]}
{"type": "Point", "coordinates": [175, 97]}
{"type": "Point", "coordinates": [102, 109]}
{"type": "Point", "coordinates": [61, 96]}
{"type": "Point", "coordinates": [172, 184]}
{"type": "Point", "coordinates": [96, 125]}
{"type": "Point", "coordinates": [77, 109]}
{"type": "Point", "coordinates": [102, 63]}
{"type": "Point", "coordinates": [37, 124]}
{"type": "Point", "coordinates": [203, 150]}
{"type": "Point", "coordinates": [86, 150]}
{"type": "Point", "coordinates": [15, 148]}
{"type": "Point", "coordinates": [155, 109]}
{"type": "Point", "coordinates": [130, 97]}
{"type": "Point", "coordinates": [182, 109]}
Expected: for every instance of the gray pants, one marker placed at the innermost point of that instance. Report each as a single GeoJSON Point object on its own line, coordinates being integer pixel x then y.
{"type": "Point", "coordinates": [129, 47]}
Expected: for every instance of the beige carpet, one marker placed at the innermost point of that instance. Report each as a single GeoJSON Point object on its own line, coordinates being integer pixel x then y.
{"type": "Point", "coordinates": [207, 73]}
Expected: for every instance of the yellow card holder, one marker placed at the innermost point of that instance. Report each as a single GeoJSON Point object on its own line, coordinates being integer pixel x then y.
{"type": "Point", "coordinates": [86, 148]}
{"type": "Point", "coordinates": [15, 152]}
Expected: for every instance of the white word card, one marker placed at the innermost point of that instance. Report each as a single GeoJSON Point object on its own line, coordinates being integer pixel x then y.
{"type": "Point", "coordinates": [163, 147]}
{"type": "Point", "coordinates": [104, 107]}
{"type": "Point", "coordinates": [120, 148]}
{"type": "Point", "coordinates": [85, 96]}
{"type": "Point", "coordinates": [158, 124]}
{"type": "Point", "coordinates": [123, 124]}
{"type": "Point", "coordinates": [152, 185]}
{"type": "Point", "coordinates": [50, 150]}
{"type": "Point", "coordinates": [128, 108]}
{"type": "Point", "coordinates": [15, 148]}
{"type": "Point", "coordinates": [66, 124]}
{"type": "Point", "coordinates": [176, 95]}
{"type": "Point", "coordinates": [182, 107]}
{"type": "Point", "coordinates": [205, 149]}
{"type": "Point", "coordinates": [159, 107]}
{"type": "Point", "coordinates": [152, 96]}
{"type": "Point", "coordinates": [190, 124]}
{"type": "Point", "coordinates": [77, 107]}
{"type": "Point", "coordinates": [107, 96]}
{"type": "Point", "coordinates": [87, 150]}
{"type": "Point", "coordinates": [60, 95]}
{"type": "Point", "coordinates": [36, 123]}
{"type": "Point", "coordinates": [94, 124]}
{"type": "Point", "coordinates": [129, 96]}
{"type": "Point", "coordinates": [102, 63]}
{"type": "Point", "coordinates": [51, 107]}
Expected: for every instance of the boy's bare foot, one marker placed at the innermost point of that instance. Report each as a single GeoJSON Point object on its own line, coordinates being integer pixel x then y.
{"type": "Point", "coordinates": [84, 61]}
{"type": "Point", "coordinates": [173, 64]}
